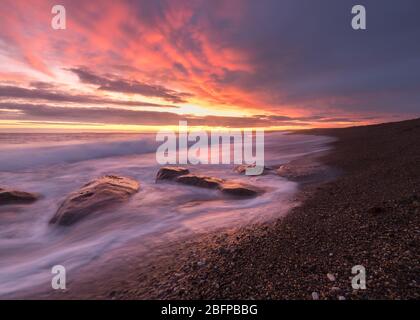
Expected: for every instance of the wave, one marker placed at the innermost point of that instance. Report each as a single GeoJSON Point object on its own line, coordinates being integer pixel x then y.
{"type": "Point", "coordinates": [17, 158]}
{"type": "Point", "coordinates": [158, 214]}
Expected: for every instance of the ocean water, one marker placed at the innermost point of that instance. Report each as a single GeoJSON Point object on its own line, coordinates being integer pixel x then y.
{"type": "Point", "coordinates": [56, 164]}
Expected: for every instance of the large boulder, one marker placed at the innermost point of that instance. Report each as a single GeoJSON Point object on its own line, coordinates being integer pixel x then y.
{"type": "Point", "coordinates": [170, 173]}
{"type": "Point", "coordinates": [94, 196]}
{"type": "Point", "coordinates": [8, 196]}
{"type": "Point", "coordinates": [200, 181]}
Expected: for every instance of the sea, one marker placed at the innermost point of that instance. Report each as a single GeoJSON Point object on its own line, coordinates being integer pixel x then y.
{"type": "Point", "coordinates": [56, 164]}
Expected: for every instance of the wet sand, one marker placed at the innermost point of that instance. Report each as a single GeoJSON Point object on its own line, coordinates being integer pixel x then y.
{"type": "Point", "coordinates": [365, 213]}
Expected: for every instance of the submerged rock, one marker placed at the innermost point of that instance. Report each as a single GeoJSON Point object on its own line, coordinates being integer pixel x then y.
{"type": "Point", "coordinates": [93, 196]}
{"type": "Point", "coordinates": [8, 196]}
{"type": "Point", "coordinates": [169, 173]}
{"type": "Point", "coordinates": [200, 181]}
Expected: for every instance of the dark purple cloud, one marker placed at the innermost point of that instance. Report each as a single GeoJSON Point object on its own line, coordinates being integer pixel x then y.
{"type": "Point", "coordinates": [49, 93]}
{"type": "Point", "coordinates": [117, 84]}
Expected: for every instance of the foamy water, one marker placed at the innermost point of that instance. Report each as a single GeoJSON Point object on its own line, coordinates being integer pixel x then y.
{"type": "Point", "coordinates": [55, 165]}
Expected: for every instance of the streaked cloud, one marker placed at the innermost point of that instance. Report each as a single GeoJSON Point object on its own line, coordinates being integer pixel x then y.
{"type": "Point", "coordinates": [49, 93]}
{"type": "Point", "coordinates": [290, 61]}
{"type": "Point", "coordinates": [97, 115]}
{"type": "Point", "coordinates": [117, 84]}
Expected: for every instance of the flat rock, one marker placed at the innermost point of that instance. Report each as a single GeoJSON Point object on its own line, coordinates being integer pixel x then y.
{"type": "Point", "coordinates": [8, 196]}
{"type": "Point", "coordinates": [238, 189]}
{"type": "Point", "coordinates": [169, 173]}
{"type": "Point", "coordinates": [200, 181]}
{"type": "Point", "coordinates": [96, 195]}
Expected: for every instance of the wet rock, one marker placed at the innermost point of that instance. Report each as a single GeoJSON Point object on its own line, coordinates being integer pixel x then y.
{"type": "Point", "coordinates": [8, 196]}
{"type": "Point", "coordinates": [200, 181]}
{"type": "Point", "coordinates": [94, 196]}
{"type": "Point", "coordinates": [169, 173]}
{"type": "Point", "coordinates": [226, 187]}
{"type": "Point", "coordinates": [241, 190]}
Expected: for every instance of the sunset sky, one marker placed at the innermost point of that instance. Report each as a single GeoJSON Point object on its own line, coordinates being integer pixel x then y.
{"type": "Point", "coordinates": [141, 65]}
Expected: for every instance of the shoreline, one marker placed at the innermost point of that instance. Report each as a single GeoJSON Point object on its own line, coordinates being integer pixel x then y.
{"type": "Point", "coordinates": [368, 215]}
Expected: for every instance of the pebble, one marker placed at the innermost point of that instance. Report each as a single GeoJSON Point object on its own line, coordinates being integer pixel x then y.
{"type": "Point", "coordinates": [315, 295]}
{"type": "Point", "coordinates": [330, 277]}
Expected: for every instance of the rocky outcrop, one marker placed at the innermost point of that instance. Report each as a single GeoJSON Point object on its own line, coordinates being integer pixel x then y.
{"type": "Point", "coordinates": [94, 196]}
{"type": "Point", "coordinates": [226, 187]}
{"type": "Point", "coordinates": [8, 196]}
{"type": "Point", "coordinates": [169, 173]}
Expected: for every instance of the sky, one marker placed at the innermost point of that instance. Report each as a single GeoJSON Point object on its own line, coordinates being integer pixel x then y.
{"type": "Point", "coordinates": [140, 65]}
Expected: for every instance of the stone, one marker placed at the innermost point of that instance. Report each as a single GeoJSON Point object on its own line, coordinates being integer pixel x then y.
{"type": "Point", "coordinates": [238, 189]}
{"type": "Point", "coordinates": [200, 181]}
{"type": "Point", "coordinates": [227, 187]}
{"type": "Point", "coordinates": [169, 173]}
{"type": "Point", "coordinates": [330, 277]}
{"type": "Point", "coordinates": [94, 196]}
{"type": "Point", "coordinates": [8, 196]}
